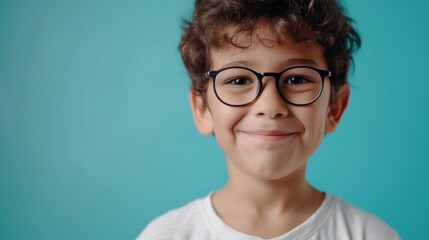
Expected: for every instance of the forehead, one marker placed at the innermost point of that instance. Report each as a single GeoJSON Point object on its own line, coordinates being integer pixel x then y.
{"type": "Point", "coordinates": [263, 48]}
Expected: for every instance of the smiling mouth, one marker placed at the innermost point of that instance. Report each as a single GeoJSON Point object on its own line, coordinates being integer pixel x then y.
{"type": "Point", "coordinates": [269, 136]}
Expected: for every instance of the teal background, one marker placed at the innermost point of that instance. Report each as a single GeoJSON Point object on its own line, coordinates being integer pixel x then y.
{"type": "Point", "coordinates": [97, 138]}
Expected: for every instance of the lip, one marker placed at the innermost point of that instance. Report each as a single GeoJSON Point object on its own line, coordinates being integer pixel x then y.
{"type": "Point", "coordinates": [268, 135]}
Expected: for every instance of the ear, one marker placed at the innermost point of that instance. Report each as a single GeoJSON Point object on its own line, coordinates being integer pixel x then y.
{"type": "Point", "coordinates": [201, 113]}
{"type": "Point", "coordinates": [337, 108]}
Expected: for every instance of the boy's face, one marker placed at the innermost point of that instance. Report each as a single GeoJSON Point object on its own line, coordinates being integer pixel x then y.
{"type": "Point", "coordinates": [268, 139]}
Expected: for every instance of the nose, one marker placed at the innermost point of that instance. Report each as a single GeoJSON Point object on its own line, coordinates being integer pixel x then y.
{"type": "Point", "coordinates": [270, 104]}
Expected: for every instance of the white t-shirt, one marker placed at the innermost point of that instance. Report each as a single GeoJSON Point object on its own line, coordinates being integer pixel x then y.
{"type": "Point", "coordinates": [335, 219]}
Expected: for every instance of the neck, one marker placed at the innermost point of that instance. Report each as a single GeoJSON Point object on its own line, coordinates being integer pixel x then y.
{"type": "Point", "coordinates": [265, 197]}
{"type": "Point", "coordinates": [266, 208]}
{"type": "Point", "coordinates": [287, 192]}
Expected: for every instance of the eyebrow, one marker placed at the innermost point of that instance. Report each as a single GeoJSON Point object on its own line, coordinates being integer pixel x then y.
{"type": "Point", "coordinates": [287, 63]}
{"type": "Point", "coordinates": [242, 63]}
{"type": "Point", "coordinates": [299, 61]}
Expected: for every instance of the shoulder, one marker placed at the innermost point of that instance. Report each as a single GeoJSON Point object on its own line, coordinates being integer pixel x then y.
{"type": "Point", "coordinates": [359, 223]}
{"type": "Point", "coordinates": [177, 224]}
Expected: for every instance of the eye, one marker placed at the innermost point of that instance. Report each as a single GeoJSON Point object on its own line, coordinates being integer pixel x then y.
{"type": "Point", "coordinates": [297, 80]}
{"type": "Point", "coordinates": [239, 81]}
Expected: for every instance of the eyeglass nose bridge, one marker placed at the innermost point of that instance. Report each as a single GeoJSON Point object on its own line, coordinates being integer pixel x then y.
{"type": "Point", "coordinates": [261, 75]}
{"type": "Point", "coordinates": [276, 76]}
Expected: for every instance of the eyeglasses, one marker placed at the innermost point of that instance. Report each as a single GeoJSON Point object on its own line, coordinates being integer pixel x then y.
{"type": "Point", "coordinates": [239, 86]}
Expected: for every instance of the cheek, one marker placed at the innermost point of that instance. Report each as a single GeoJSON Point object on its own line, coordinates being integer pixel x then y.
{"type": "Point", "coordinates": [224, 117]}
{"type": "Point", "coordinates": [224, 123]}
{"type": "Point", "coordinates": [318, 111]}
{"type": "Point", "coordinates": [313, 118]}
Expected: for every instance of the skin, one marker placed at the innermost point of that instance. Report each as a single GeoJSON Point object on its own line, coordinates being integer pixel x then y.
{"type": "Point", "coordinates": [267, 144]}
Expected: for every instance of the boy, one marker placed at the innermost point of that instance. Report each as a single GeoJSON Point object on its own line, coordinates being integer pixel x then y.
{"type": "Point", "coordinates": [269, 80]}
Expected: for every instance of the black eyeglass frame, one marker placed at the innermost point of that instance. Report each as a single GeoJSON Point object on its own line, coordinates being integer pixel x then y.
{"type": "Point", "coordinates": [260, 75]}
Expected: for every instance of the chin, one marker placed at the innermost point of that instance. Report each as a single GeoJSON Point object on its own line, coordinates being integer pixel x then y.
{"type": "Point", "coordinates": [276, 172]}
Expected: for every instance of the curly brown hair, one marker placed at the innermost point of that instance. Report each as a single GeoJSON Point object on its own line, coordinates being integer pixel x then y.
{"type": "Point", "coordinates": [322, 21]}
